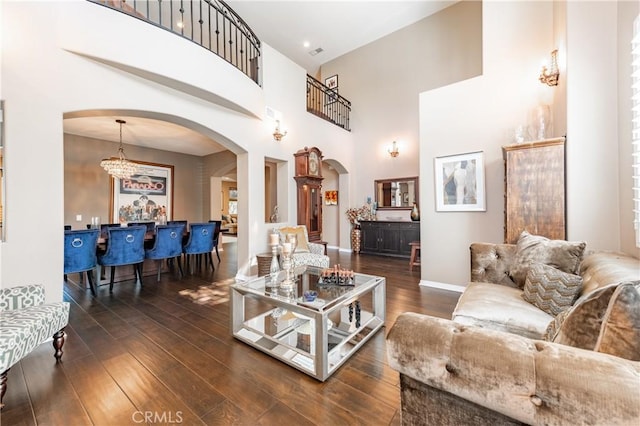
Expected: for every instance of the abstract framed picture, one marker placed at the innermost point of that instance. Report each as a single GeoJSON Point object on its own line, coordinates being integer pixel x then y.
{"type": "Point", "coordinates": [459, 181]}
{"type": "Point", "coordinates": [145, 196]}
{"type": "Point", "coordinates": [331, 82]}
{"type": "Point", "coordinates": [331, 198]}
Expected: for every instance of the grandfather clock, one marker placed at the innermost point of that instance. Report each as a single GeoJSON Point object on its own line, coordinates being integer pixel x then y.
{"type": "Point", "coordinates": [309, 181]}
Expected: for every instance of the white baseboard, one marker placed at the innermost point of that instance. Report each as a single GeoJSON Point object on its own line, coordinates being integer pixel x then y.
{"type": "Point", "coordinates": [442, 286]}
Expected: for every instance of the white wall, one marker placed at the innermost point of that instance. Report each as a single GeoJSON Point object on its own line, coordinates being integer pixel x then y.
{"type": "Point", "coordinates": [383, 80]}
{"type": "Point", "coordinates": [479, 114]}
{"type": "Point", "coordinates": [138, 72]}
{"type": "Point", "coordinates": [592, 124]}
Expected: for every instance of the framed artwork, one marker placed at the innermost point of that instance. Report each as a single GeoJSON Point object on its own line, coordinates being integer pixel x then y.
{"type": "Point", "coordinates": [331, 198]}
{"type": "Point", "coordinates": [146, 195]}
{"type": "Point", "coordinates": [332, 82]}
{"type": "Point", "coordinates": [460, 182]}
{"type": "Point", "coordinates": [233, 193]}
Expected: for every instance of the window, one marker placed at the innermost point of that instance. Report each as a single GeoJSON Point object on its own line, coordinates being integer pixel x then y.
{"type": "Point", "coordinates": [635, 126]}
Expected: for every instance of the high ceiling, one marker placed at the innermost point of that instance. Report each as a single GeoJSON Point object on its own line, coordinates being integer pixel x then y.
{"type": "Point", "coordinates": [337, 27]}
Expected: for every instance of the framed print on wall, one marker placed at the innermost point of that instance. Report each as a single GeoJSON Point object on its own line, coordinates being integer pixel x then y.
{"type": "Point", "coordinates": [332, 82]}
{"type": "Point", "coordinates": [460, 182]}
{"type": "Point", "coordinates": [145, 196]}
{"type": "Point", "coordinates": [331, 198]}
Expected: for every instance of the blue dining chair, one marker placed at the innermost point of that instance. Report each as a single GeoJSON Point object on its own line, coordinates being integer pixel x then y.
{"type": "Point", "coordinates": [200, 241]}
{"type": "Point", "coordinates": [125, 246]}
{"type": "Point", "coordinates": [216, 236]}
{"type": "Point", "coordinates": [167, 245]}
{"type": "Point", "coordinates": [80, 253]}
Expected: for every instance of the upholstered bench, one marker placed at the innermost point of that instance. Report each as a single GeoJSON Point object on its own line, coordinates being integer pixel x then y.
{"type": "Point", "coordinates": [25, 323]}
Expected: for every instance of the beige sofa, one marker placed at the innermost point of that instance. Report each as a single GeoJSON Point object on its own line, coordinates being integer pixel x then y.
{"type": "Point", "coordinates": [490, 364]}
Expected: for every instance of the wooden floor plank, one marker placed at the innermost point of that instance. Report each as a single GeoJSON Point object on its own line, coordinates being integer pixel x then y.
{"type": "Point", "coordinates": [165, 350]}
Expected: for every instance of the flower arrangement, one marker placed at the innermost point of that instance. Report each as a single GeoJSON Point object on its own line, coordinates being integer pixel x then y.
{"type": "Point", "coordinates": [356, 214]}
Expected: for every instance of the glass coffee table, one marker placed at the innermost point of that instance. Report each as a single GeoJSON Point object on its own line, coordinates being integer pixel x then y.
{"type": "Point", "coordinates": [317, 336]}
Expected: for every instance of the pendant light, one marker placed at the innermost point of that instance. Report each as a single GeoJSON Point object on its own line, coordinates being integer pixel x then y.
{"type": "Point", "coordinates": [119, 167]}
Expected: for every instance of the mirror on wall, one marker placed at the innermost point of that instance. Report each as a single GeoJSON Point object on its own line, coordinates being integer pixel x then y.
{"type": "Point", "coordinates": [398, 193]}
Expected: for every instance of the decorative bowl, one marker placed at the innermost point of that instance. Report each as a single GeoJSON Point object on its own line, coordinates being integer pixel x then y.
{"type": "Point", "coordinates": [310, 295]}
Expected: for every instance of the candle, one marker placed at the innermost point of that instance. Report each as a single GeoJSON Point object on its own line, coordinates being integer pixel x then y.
{"type": "Point", "coordinates": [286, 248]}
{"type": "Point", "coordinates": [274, 239]}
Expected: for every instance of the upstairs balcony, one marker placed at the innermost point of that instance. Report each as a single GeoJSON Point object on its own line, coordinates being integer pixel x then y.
{"type": "Point", "coordinates": [210, 23]}
{"type": "Point", "coordinates": [326, 103]}
{"type": "Point", "coordinates": [213, 25]}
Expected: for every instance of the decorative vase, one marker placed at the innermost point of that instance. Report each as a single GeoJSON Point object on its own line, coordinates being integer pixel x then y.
{"type": "Point", "coordinates": [355, 238]}
{"type": "Point", "coordinates": [415, 213]}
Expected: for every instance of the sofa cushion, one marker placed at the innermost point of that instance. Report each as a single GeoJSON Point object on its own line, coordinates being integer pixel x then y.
{"type": "Point", "coordinates": [581, 324]}
{"type": "Point", "coordinates": [301, 236]}
{"type": "Point", "coordinates": [502, 308]}
{"type": "Point", "coordinates": [530, 249]}
{"type": "Point", "coordinates": [550, 289]}
{"type": "Point", "coordinates": [620, 331]}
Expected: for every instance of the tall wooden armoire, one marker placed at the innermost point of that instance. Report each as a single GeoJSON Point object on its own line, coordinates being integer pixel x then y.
{"type": "Point", "coordinates": [308, 169]}
{"type": "Point", "coordinates": [534, 180]}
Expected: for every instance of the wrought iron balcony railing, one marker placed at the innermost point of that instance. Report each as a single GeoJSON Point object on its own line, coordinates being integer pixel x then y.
{"type": "Point", "coordinates": [210, 23]}
{"type": "Point", "coordinates": [327, 103]}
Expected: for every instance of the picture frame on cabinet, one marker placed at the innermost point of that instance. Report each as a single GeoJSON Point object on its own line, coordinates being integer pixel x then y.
{"type": "Point", "coordinates": [460, 182]}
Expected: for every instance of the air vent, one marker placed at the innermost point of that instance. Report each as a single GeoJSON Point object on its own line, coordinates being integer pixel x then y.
{"type": "Point", "coordinates": [314, 52]}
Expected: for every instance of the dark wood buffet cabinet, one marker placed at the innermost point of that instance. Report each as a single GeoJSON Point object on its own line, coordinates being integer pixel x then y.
{"type": "Point", "coordinates": [388, 238]}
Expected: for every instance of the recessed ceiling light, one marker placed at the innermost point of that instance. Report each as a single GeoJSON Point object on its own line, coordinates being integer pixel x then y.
{"type": "Point", "coordinates": [306, 44]}
{"type": "Point", "coordinates": [314, 52]}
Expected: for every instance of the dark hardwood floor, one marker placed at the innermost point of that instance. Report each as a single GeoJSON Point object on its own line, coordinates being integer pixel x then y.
{"type": "Point", "coordinates": [163, 354]}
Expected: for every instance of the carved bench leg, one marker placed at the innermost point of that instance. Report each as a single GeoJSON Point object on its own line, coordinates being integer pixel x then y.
{"type": "Point", "coordinates": [58, 341]}
{"type": "Point", "coordinates": [3, 386]}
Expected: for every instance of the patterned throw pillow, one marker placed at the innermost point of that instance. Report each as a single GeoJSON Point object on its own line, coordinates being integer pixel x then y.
{"type": "Point", "coordinates": [620, 332]}
{"type": "Point", "coordinates": [550, 289]}
{"type": "Point", "coordinates": [560, 254]}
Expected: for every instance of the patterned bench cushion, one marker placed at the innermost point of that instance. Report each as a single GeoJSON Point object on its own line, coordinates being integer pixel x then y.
{"type": "Point", "coordinates": [22, 330]}
{"type": "Point", "coordinates": [21, 297]}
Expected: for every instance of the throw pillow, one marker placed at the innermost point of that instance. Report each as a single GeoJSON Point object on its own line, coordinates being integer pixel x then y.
{"type": "Point", "coordinates": [550, 289]}
{"type": "Point", "coordinates": [301, 237]}
{"type": "Point", "coordinates": [582, 322]}
{"type": "Point", "coordinates": [560, 254]}
{"type": "Point", "coordinates": [620, 332]}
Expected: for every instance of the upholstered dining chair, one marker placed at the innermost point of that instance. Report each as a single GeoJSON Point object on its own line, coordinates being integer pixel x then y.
{"type": "Point", "coordinates": [200, 241]}
{"type": "Point", "coordinates": [167, 245]}
{"type": "Point", "coordinates": [216, 236]}
{"type": "Point", "coordinates": [80, 254]}
{"type": "Point", "coordinates": [125, 246]}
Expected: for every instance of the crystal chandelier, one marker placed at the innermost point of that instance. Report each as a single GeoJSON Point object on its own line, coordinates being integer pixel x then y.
{"type": "Point", "coordinates": [120, 167]}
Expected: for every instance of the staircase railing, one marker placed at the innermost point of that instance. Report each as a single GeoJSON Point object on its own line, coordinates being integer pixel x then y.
{"type": "Point", "coordinates": [210, 23]}
{"type": "Point", "coordinates": [327, 103]}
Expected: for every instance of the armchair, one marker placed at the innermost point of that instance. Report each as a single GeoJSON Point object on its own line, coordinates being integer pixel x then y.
{"type": "Point", "coordinates": [306, 253]}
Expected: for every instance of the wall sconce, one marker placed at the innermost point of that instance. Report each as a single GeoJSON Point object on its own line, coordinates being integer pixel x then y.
{"type": "Point", "coordinates": [393, 151]}
{"type": "Point", "coordinates": [550, 76]}
{"type": "Point", "coordinates": [278, 134]}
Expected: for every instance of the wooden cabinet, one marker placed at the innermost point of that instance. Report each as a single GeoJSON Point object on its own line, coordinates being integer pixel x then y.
{"type": "Point", "coordinates": [534, 179]}
{"type": "Point", "coordinates": [308, 168]}
{"type": "Point", "coordinates": [389, 238]}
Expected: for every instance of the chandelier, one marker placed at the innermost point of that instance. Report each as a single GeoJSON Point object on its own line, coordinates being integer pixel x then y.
{"type": "Point", "coordinates": [119, 167]}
